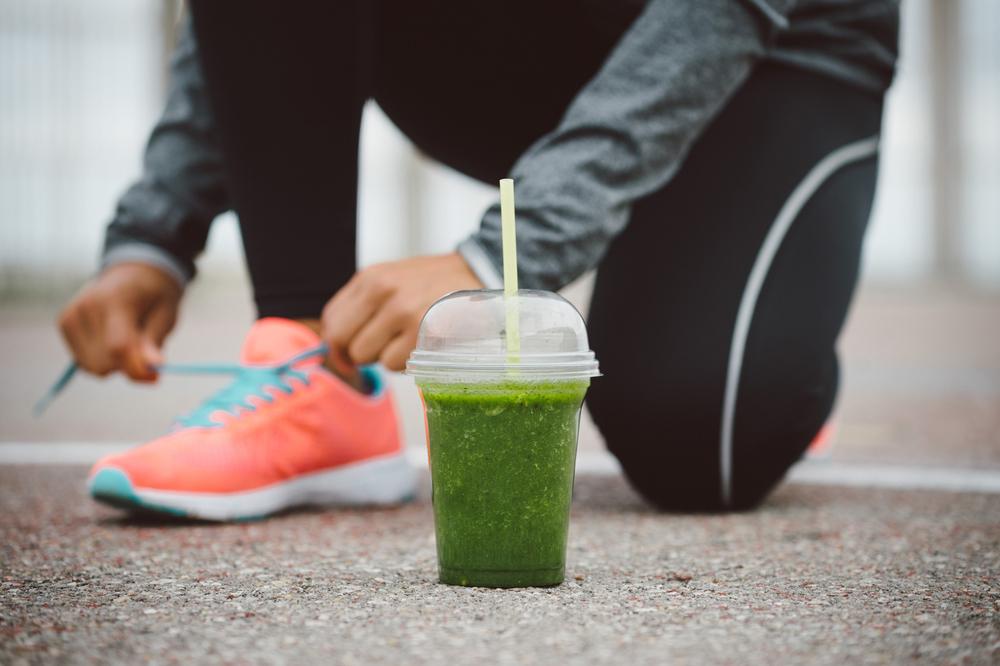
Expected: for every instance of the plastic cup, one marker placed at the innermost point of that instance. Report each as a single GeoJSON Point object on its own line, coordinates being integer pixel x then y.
{"type": "Point", "coordinates": [502, 430]}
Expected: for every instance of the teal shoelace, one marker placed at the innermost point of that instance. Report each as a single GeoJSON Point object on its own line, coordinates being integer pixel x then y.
{"type": "Point", "coordinates": [250, 381]}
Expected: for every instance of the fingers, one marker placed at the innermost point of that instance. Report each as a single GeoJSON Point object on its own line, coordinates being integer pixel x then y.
{"type": "Point", "coordinates": [123, 345]}
{"type": "Point", "coordinates": [82, 326]}
{"type": "Point", "coordinates": [349, 311]}
{"type": "Point", "coordinates": [72, 326]}
{"type": "Point", "coordinates": [367, 346]}
{"type": "Point", "coordinates": [395, 353]}
{"type": "Point", "coordinates": [105, 338]}
{"type": "Point", "coordinates": [118, 321]}
{"type": "Point", "coordinates": [158, 324]}
{"type": "Point", "coordinates": [376, 316]}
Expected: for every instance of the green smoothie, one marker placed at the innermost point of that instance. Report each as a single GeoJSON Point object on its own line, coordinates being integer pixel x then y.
{"type": "Point", "coordinates": [502, 460]}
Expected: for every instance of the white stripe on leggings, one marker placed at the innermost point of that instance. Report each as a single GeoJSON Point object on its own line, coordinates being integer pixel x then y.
{"type": "Point", "coordinates": [748, 303]}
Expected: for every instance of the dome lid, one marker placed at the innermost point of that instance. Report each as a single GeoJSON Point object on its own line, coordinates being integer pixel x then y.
{"type": "Point", "coordinates": [464, 335]}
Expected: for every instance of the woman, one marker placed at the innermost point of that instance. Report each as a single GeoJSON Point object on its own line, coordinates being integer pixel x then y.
{"type": "Point", "coordinates": [714, 159]}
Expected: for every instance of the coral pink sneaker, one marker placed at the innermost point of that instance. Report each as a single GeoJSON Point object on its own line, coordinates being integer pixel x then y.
{"type": "Point", "coordinates": [822, 444]}
{"type": "Point", "coordinates": [285, 433]}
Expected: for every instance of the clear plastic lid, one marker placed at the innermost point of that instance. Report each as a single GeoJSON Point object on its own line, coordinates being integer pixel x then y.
{"type": "Point", "coordinates": [463, 337]}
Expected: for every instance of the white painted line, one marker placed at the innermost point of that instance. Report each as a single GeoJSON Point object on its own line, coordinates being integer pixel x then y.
{"type": "Point", "coordinates": [899, 477]}
{"type": "Point", "coordinates": [57, 453]}
{"type": "Point", "coordinates": [823, 473]}
{"type": "Point", "coordinates": [599, 463]}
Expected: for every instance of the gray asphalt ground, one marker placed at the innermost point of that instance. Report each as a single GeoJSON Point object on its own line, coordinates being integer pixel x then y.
{"type": "Point", "coordinates": [817, 575]}
{"type": "Point", "coordinates": [820, 574]}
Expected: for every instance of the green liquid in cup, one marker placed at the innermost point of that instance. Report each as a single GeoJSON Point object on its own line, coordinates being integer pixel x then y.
{"type": "Point", "coordinates": [502, 465]}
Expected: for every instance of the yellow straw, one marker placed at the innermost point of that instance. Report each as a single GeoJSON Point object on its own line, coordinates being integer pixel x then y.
{"type": "Point", "coordinates": [510, 268]}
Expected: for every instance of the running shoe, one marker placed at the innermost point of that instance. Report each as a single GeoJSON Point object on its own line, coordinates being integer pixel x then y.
{"type": "Point", "coordinates": [822, 444]}
{"type": "Point", "coordinates": [285, 433]}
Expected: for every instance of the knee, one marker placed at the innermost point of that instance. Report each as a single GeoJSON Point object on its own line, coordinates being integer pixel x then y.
{"type": "Point", "coordinates": [666, 444]}
{"type": "Point", "coordinates": [670, 445]}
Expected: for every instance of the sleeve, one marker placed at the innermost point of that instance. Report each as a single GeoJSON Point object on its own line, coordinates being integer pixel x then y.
{"type": "Point", "coordinates": [164, 218]}
{"type": "Point", "coordinates": [623, 136]}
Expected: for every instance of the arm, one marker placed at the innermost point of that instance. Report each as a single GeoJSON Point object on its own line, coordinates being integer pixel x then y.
{"type": "Point", "coordinates": [623, 137]}
{"type": "Point", "coordinates": [120, 319]}
{"type": "Point", "coordinates": [164, 218]}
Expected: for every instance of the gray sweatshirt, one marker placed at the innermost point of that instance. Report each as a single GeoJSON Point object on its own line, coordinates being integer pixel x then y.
{"type": "Point", "coordinates": [623, 136]}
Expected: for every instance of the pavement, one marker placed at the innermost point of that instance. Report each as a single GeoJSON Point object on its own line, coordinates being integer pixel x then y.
{"type": "Point", "coordinates": [887, 553]}
{"type": "Point", "coordinates": [819, 575]}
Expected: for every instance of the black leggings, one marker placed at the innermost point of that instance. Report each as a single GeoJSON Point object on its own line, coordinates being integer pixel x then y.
{"type": "Point", "coordinates": [715, 313]}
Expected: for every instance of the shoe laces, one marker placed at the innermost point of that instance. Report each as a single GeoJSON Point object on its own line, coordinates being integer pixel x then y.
{"type": "Point", "coordinates": [250, 381]}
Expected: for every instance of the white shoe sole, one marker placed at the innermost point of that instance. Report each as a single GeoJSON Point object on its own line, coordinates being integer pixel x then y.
{"type": "Point", "coordinates": [386, 480]}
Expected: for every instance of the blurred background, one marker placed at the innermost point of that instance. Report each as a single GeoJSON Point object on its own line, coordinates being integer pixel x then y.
{"type": "Point", "coordinates": [82, 83]}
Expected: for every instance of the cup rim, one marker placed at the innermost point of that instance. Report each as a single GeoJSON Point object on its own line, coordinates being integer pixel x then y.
{"type": "Point", "coordinates": [424, 364]}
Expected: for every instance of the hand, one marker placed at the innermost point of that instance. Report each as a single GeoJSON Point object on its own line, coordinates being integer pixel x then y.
{"type": "Point", "coordinates": [120, 319]}
{"type": "Point", "coordinates": [375, 316]}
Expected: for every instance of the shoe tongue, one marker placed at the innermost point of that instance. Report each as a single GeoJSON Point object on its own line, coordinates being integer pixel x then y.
{"type": "Point", "coordinates": [273, 340]}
